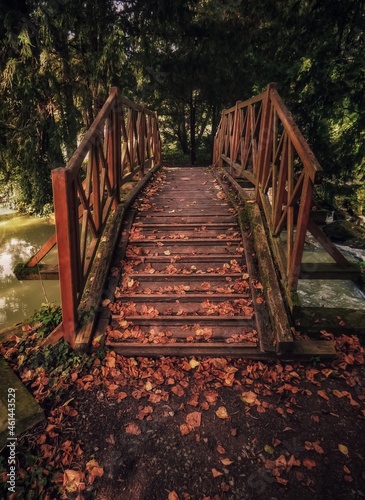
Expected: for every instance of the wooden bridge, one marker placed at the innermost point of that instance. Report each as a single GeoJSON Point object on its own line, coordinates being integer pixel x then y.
{"type": "Point", "coordinates": [188, 261]}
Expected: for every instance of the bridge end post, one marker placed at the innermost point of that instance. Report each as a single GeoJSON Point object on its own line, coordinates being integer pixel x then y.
{"type": "Point", "coordinates": [67, 231]}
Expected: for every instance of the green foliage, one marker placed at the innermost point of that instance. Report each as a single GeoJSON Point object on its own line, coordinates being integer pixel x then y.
{"type": "Point", "coordinates": [49, 315]}
{"type": "Point", "coordinates": [188, 59]}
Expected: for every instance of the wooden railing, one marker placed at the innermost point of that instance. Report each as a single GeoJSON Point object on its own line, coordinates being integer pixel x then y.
{"type": "Point", "coordinates": [259, 140]}
{"type": "Point", "coordinates": [123, 143]}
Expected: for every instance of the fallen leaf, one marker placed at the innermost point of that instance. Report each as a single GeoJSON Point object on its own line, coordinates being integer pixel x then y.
{"type": "Point", "coordinates": [248, 397]}
{"type": "Point", "coordinates": [194, 363]}
{"type": "Point", "coordinates": [309, 464]}
{"type": "Point", "coordinates": [222, 413]}
{"type": "Point", "coordinates": [343, 449]}
{"type": "Point", "coordinates": [269, 449]}
{"type": "Point", "coordinates": [226, 461]}
{"type": "Point", "coordinates": [216, 473]}
{"type": "Point", "coordinates": [184, 429]}
{"type": "Point", "coordinates": [194, 419]}
{"type": "Point", "coordinates": [173, 496]}
{"type": "Point", "coordinates": [73, 480]}
{"type": "Point", "coordinates": [220, 449]}
{"type": "Point", "coordinates": [323, 395]}
{"type": "Point", "coordinates": [282, 481]}
{"type": "Point", "coordinates": [133, 429]}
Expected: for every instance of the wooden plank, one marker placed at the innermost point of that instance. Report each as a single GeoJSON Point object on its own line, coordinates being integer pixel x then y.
{"type": "Point", "coordinates": [43, 251]}
{"type": "Point", "coordinates": [177, 297]}
{"type": "Point", "coordinates": [278, 315]}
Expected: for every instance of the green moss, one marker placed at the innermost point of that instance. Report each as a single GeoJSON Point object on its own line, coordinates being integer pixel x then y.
{"type": "Point", "coordinates": [22, 270]}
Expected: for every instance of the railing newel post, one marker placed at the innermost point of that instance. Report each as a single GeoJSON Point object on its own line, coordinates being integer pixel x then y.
{"type": "Point", "coordinates": [67, 232]}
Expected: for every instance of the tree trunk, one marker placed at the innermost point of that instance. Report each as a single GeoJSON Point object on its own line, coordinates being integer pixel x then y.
{"type": "Point", "coordinates": [192, 130]}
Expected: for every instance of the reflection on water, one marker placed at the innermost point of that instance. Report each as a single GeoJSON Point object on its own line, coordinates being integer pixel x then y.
{"type": "Point", "coordinates": [20, 238]}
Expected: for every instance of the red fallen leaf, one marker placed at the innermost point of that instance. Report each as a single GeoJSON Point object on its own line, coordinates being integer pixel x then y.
{"type": "Point", "coordinates": [280, 461]}
{"type": "Point", "coordinates": [211, 396]}
{"type": "Point", "coordinates": [194, 419]}
{"type": "Point", "coordinates": [270, 464]}
{"type": "Point", "coordinates": [184, 429]}
{"type": "Point", "coordinates": [173, 496]}
{"type": "Point", "coordinates": [292, 462]}
{"type": "Point", "coordinates": [178, 390]}
{"type": "Point", "coordinates": [323, 395]}
{"type": "Point", "coordinates": [121, 395]}
{"type": "Point", "coordinates": [221, 450]}
{"type": "Point", "coordinates": [309, 464]}
{"type": "Point", "coordinates": [204, 405]}
{"type": "Point", "coordinates": [133, 429]}
{"type": "Point", "coordinates": [346, 469]}
{"type": "Point", "coordinates": [216, 473]}
{"type": "Point", "coordinates": [194, 401]}
{"type": "Point", "coordinates": [282, 481]}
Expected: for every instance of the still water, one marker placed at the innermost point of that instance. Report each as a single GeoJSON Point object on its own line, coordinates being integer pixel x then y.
{"type": "Point", "coordinates": [20, 237]}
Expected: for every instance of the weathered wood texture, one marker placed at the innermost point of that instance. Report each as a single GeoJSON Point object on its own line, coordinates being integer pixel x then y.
{"type": "Point", "coordinates": [121, 145]}
{"type": "Point", "coordinates": [258, 139]}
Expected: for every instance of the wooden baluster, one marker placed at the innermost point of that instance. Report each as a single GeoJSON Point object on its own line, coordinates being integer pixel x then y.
{"type": "Point", "coordinates": [290, 216]}
{"type": "Point", "coordinates": [117, 144]}
{"type": "Point", "coordinates": [265, 143]}
{"type": "Point", "coordinates": [235, 136]}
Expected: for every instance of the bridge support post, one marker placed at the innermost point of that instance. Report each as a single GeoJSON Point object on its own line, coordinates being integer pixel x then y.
{"type": "Point", "coordinates": [114, 147]}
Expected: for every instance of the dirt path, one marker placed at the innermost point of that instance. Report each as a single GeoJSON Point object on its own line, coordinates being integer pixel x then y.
{"type": "Point", "coordinates": [187, 428]}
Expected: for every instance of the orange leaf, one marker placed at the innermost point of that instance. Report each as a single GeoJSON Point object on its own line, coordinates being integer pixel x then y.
{"type": "Point", "coordinates": [133, 429]}
{"type": "Point", "coordinates": [216, 473]}
{"type": "Point", "coordinates": [178, 390]}
{"type": "Point", "coordinates": [184, 429]}
{"type": "Point", "coordinates": [194, 419]}
{"type": "Point", "coordinates": [222, 413]}
{"type": "Point", "coordinates": [280, 480]}
{"type": "Point", "coordinates": [226, 461]}
{"type": "Point", "coordinates": [309, 464]}
{"type": "Point", "coordinates": [323, 395]}
{"type": "Point", "coordinates": [173, 496]}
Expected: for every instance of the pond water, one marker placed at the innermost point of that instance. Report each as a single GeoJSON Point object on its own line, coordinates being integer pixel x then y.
{"type": "Point", "coordinates": [20, 237]}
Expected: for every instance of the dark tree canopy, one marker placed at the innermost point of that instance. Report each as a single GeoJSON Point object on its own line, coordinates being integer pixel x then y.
{"type": "Point", "coordinates": [188, 59]}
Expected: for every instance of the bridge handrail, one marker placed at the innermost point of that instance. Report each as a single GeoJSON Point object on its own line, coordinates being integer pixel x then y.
{"type": "Point", "coordinates": [258, 139]}
{"type": "Point", "coordinates": [123, 142]}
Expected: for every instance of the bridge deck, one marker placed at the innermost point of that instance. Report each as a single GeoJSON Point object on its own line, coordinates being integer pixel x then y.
{"type": "Point", "coordinates": [184, 278]}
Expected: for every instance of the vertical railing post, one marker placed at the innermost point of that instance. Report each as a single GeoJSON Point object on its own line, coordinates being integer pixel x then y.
{"type": "Point", "coordinates": [265, 142]}
{"type": "Point", "coordinates": [141, 139]}
{"type": "Point", "coordinates": [114, 148]}
{"type": "Point", "coordinates": [69, 265]}
{"type": "Point", "coordinates": [235, 136]}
